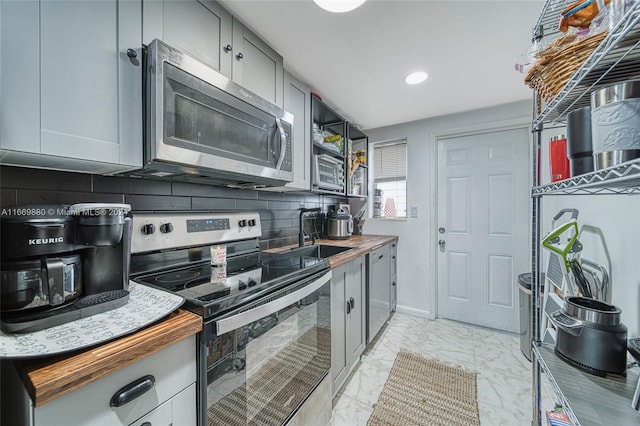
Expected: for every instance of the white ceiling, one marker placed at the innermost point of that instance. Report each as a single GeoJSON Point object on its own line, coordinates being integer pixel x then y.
{"type": "Point", "coordinates": [356, 61]}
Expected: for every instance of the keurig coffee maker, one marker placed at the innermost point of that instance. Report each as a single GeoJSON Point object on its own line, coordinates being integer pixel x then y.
{"type": "Point", "coordinates": [62, 263]}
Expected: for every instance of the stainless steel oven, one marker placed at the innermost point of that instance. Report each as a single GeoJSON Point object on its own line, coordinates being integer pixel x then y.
{"type": "Point", "coordinates": [200, 124]}
{"type": "Point", "coordinates": [264, 354]}
{"type": "Point", "coordinates": [265, 359]}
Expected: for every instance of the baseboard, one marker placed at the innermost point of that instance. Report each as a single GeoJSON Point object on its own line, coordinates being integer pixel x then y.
{"type": "Point", "coordinates": [413, 312]}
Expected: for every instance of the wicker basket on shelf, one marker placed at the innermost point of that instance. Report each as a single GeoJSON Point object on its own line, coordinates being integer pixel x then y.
{"type": "Point", "coordinates": [557, 63]}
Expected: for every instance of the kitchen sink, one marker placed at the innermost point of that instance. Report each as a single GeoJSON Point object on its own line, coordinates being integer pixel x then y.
{"type": "Point", "coordinates": [320, 250]}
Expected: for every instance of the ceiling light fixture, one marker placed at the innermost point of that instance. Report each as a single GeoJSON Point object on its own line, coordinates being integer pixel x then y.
{"type": "Point", "coordinates": [338, 6]}
{"type": "Point", "coordinates": [416, 77]}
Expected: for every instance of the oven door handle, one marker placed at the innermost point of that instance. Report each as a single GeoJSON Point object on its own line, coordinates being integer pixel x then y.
{"type": "Point", "coordinates": [225, 325]}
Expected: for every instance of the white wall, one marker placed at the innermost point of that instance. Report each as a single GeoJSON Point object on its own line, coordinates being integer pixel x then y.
{"type": "Point", "coordinates": [417, 236]}
{"type": "Point", "coordinates": [615, 216]}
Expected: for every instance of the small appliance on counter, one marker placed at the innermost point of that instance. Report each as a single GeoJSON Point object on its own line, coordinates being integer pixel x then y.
{"type": "Point", "coordinates": [590, 336]}
{"type": "Point", "coordinates": [63, 263]}
{"type": "Point", "coordinates": [339, 225]}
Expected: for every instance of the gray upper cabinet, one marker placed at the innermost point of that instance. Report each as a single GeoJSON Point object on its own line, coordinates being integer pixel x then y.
{"type": "Point", "coordinates": [297, 101]}
{"type": "Point", "coordinates": [201, 28]}
{"type": "Point", "coordinates": [204, 29]}
{"type": "Point", "coordinates": [256, 66]}
{"type": "Point", "coordinates": [71, 85]}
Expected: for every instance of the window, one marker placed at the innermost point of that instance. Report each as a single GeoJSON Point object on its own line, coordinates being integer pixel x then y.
{"type": "Point", "coordinates": [390, 179]}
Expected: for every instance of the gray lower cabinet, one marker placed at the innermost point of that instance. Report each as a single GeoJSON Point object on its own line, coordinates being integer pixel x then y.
{"type": "Point", "coordinates": [170, 399]}
{"type": "Point", "coordinates": [348, 331]}
{"type": "Point", "coordinates": [71, 79]}
{"type": "Point", "coordinates": [201, 28]}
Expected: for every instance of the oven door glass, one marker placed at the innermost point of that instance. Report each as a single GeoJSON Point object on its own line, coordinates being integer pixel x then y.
{"type": "Point", "coordinates": [262, 370]}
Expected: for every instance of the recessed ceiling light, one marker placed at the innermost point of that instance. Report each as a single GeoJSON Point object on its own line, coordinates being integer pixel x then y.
{"type": "Point", "coordinates": [416, 77]}
{"type": "Point", "coordinates": [338, 6]}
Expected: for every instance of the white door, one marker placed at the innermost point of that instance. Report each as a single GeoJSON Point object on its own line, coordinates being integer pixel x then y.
{"type": "Point", "coordinates": [483, 215]}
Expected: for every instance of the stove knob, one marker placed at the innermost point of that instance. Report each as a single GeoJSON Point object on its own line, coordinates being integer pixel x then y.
{"type": "Point", "coordinates": [252, 222]}
{"type": "Point", "coordinates": [242, 285]}
{"type": "Point", "coordinates": [242, 223]}
{"type": "Point", "coordinates": [166, 228]}
{"type": "Point", "coordinates": [252, 283]}
{"type": "Point", "coordinates": [148, 229]}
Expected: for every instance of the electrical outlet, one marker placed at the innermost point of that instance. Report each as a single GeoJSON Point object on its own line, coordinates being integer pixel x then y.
{"type": "Point", "coordinates": [414, 212]}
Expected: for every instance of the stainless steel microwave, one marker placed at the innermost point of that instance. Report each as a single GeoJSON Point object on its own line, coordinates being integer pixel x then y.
{"type": "Point", "coordinates": [201, 126]}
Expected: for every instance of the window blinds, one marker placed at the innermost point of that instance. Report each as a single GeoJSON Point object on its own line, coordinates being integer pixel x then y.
{"type": "Point", "coordinates": [390, 161]}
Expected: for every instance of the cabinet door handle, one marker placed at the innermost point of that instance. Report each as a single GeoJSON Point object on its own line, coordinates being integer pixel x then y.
{"type": "Point", "coordinates": [381, 256]}
{"type": "Point", "coordinates": [146, 424]}
{"type": "Point", "coordinates": [239, 56]}
{"type": "Point", "coordinates": [352, 302]}
{"type": "Point", "coordinates": [133, 56]}
{"type": "Point", "coordinates": [393, 283]}
{"type": "Point", "coordinates": [348, 307]}
{"type": "Point", "coordinates": [133, 390]}
{"type": "Point", "coordinates": [227, 48]}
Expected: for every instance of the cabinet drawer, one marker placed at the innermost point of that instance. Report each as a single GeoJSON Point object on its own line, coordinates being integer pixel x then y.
{"type": "Point", "coordinates": [179, 410]}
{"type": "Point", "coordinates": [173, 369]}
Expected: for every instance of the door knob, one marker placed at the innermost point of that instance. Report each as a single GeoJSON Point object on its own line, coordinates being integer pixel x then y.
{"type": "Point", "coordinates": [441, 243]}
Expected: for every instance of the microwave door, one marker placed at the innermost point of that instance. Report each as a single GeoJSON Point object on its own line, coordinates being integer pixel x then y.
{"type": "Point", "coordinates": [205, 124]}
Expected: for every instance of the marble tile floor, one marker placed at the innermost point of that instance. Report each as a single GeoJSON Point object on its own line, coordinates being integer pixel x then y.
{"type": "Point", "coordinates": [504, 374]}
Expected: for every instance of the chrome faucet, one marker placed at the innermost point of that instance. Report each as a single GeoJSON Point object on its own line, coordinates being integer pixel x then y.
{"type": "Point", "coordinates": [301, 228]}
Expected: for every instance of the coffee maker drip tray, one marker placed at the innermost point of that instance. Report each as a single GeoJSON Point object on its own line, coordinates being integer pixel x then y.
{"type": "Point", "coordinates": [83, 307]}
{"type": "Point", "coordinates": [145, 306]}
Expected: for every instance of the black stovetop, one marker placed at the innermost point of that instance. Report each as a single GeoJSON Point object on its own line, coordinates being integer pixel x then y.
{"type": "Point", "coordinates": [214, 290]}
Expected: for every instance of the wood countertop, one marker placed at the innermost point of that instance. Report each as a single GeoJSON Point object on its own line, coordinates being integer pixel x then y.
{"type": "Point", "coordinates": [361, 244]}
{"type": "Point", "coordinates": [48, 379]}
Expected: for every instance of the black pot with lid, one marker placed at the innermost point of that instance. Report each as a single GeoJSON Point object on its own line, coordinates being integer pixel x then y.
{"type": "Point", "coordinates": [591, 336]}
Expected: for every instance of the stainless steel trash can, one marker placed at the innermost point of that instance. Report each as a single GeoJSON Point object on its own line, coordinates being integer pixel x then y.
{"type": "Point", "coordinates": [525, 282]}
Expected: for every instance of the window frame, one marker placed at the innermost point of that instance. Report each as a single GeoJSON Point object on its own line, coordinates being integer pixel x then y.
{"type": "Point", "coordinates": [373, 146]}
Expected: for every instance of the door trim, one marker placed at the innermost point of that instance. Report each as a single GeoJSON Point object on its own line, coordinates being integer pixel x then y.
{"type": "Point", "coordinates": [434, 139]}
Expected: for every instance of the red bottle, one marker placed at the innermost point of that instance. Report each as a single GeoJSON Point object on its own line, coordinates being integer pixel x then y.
{"type": "Point", "coordinates": [558, 159]}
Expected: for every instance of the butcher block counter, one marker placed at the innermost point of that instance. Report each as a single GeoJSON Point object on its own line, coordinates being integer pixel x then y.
{"type": "Point", "coordinates": [361, 244]}
{"type": "Point", "coordinates": [51, 378]}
